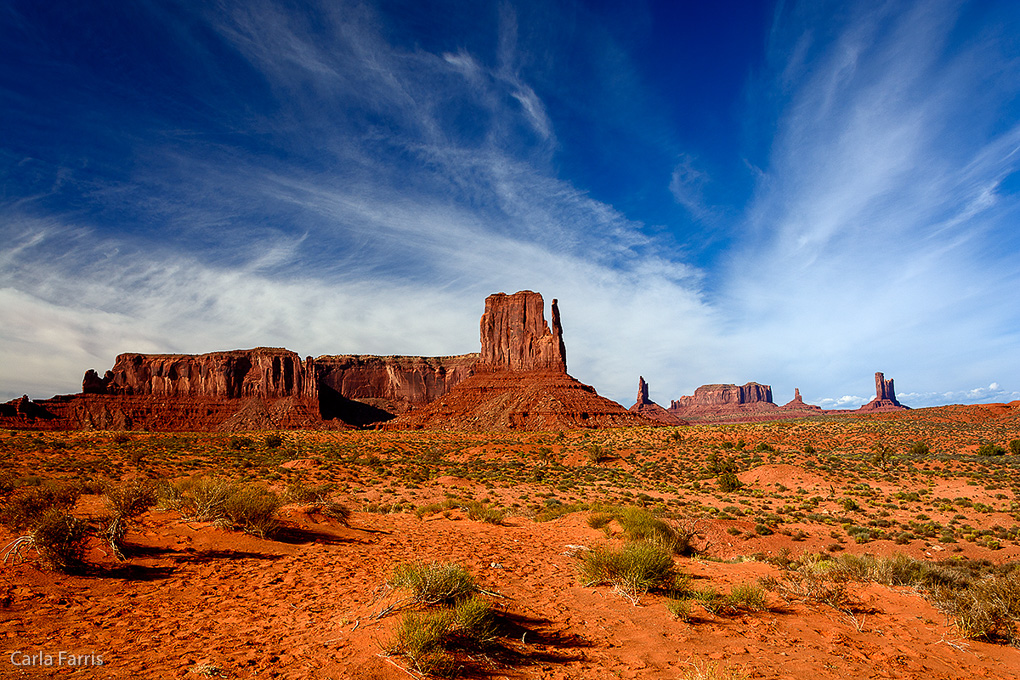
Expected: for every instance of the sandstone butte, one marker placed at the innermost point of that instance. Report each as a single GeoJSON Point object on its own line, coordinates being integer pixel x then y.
{"type": "Point", "coordinates": [649, 409]}
{"type": "Point", "coordinates": [522, 359]}
{"type": "Point", "coordinates": [885, 397]}
{"type": "Point", "coordinates": [521, 380]}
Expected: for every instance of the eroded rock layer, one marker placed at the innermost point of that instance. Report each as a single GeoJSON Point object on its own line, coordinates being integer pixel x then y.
{"type": "Point", "coordinates": [169, 414]}
{"type": "Point", "coordinates": [262, 372]}
{"type": "Point", "coordinates": [725, 395]}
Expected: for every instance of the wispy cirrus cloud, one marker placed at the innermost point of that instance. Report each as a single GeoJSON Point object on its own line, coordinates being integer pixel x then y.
{"type": "Point", "coordinates": [878, 219]}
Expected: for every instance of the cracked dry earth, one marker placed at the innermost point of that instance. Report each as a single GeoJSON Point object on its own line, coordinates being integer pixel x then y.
{"type": "Point", "coordinates": [195, 601]}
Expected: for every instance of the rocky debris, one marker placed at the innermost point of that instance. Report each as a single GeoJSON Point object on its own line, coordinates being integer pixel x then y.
{"type": "Point", "coordinates": [797, 404]}
{"type": "Point", "coordinates": [515, 336]}
{"type": "Point", "coordinates": [522, 400]}
{"type": "Point", "coordinates": [521, 382]}
{"type": "Point", "coordinates": [649, 409]}
{"type": "Point", "coordinates": [885, 397]}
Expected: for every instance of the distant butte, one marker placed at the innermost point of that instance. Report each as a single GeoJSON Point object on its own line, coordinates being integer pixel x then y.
{"type": "Point", "coordinates": [751, 401]}
{"type": "Point", "coordinates": [797, 404]}
{"type": "Point", "coordinates": [885, 397]}
{"type": "Point", "coordinates": [649, 409]}
{"type": "Point", "coordinates": [521, 381]}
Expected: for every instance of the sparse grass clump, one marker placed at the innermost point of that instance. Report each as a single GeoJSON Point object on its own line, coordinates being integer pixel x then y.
{"type": "Point", "coordinates": [421, 638]}
{"type": "Point", "coordinates": [634, 569]}
{"type": "Point", "coordinates": [299, 492]}
{"type": "Point", "coordinates": [434, 583]}
{"type": "Point", "coordinates": [641, 525]}
{"type": "Point", "coordinates": [987, 609]}
{"type": "Point", "coordinates": [984, 602]}
{"type": "Point", "coordinates": [458, 621]}
{"type": "Point", "coordinates": [252, 508]}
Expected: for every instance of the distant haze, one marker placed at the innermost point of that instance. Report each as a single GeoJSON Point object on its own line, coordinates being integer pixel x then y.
{"type": "Point", "coordinates": [799, 194]}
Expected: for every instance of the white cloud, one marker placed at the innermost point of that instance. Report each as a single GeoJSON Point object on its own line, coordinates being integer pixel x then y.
{"type": "Point", "coordinates": [847, 401]}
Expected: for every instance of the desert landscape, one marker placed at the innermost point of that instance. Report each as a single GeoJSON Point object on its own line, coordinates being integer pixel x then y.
{"type": "Point", "coordinates": [529, 339]}
{"type": "Point", "coordinates": [505, 522]}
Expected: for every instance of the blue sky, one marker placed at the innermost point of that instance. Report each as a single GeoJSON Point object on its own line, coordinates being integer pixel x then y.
{"type": "Point", "coordinates": [798, 194]}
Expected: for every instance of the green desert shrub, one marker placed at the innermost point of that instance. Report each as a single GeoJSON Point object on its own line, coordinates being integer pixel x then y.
{"type": "Point", "coordinates": [299, 492]}
{"type": "Point", "coordinates": [747, 596]}
{"type": "Point", "coordinates": [1014, 447]}
{"type": "Point", "coordinates": [238, 443]}
{"type": "Point", "coordinates": [989, 449]}
{"type": "Point", "coordinates": [474, 619]}
{"type": "Point", "coordinates": [634, 569]}
{"type": "Point", "coordinates": [641, 525]}
{"type": "Point", "coordinates": [434, 583]}
{"type": "Point", "coordinates": [728, 482]}
{"type": "Point", "coordinates": [679, 607]}
{"type": "Point", "coordinates": [920, 448]}
{"type": "Point", "coordinates": [421, 638]}
{"type": "Point", "coordinates": [252, 509]}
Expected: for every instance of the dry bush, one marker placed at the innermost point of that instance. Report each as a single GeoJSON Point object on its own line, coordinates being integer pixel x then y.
{"type": "Point", "coordinates": [987, 609]}
{"type": "Point", "coordinates": [26, 508]}
{"type": "Point", "coordinates": [126, 502]}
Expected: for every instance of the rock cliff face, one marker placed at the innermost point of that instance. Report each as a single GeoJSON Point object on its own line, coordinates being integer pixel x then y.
{"type": "Point", "coordinates": [262, 372]}
{"type": "Point", "coordinates": [649, 409]}
{"type": "Point", "coordinates": [515, 336]}
{"type": "Point", "coordinates": [885, 397]}
{"type": "Point", "coordinates": [521, 381]}
{"type": "Point", "coordinates": [392, 384]}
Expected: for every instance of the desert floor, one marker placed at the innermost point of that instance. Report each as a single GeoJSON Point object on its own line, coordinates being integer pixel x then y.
{"type": "Point", "coordinates": [313, 600]}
